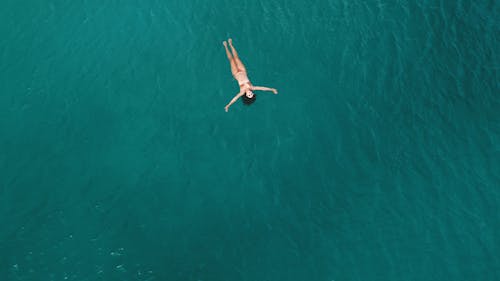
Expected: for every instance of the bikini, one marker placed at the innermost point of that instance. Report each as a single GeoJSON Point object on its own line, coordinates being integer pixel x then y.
{"type": "Point", "coordinates": [242, 78]}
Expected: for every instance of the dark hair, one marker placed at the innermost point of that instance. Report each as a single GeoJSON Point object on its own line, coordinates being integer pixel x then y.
{"type": "Point", "coordinates": [247, 100]}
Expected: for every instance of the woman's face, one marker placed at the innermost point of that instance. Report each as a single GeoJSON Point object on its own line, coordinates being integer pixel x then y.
{"type": "Point", "coordinates": [249, 94]}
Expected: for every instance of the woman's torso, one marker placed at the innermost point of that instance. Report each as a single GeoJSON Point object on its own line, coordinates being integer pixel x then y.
{"type": "Point", "coordinates": [242, 78]}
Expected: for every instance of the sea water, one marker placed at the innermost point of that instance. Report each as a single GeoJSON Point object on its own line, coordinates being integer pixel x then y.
{"type": "Point", "coordinates": [379, 159]}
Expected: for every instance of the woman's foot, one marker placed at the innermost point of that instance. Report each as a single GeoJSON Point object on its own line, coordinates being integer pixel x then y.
{"type": "Point", "coordinates": [230, 42]}
{"type": "Point", "coordinates": [224, 43]}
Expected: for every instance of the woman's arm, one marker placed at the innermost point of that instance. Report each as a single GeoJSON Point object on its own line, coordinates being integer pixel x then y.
{"type": "Point", "coordinates": [258, 88]}
{"type": "Point", "coordinates": [233, 100]}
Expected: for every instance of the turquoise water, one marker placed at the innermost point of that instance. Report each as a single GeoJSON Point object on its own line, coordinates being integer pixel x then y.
{"type": "Point", "coordinates": [379, 158]}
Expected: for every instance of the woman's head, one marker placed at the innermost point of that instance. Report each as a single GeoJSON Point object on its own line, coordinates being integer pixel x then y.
{"type": "Point", "coordinates": [249, 97]}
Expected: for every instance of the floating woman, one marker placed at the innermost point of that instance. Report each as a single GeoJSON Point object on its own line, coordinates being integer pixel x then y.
{"type": "Point", "coordinates": [240, 74]}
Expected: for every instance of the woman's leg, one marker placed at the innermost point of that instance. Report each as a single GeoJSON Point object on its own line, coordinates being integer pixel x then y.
{"type": "Point", "coordinates": [237, 60]}
{"type": "Point", "coordinates": [234, 69]}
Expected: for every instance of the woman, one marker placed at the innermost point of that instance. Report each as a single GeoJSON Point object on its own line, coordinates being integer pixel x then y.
{"type": "Point", "coordinates": [240, 74]}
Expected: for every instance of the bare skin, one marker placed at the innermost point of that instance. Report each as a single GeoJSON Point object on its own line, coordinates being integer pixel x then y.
{"type": "Point", "coordinates": [240, 74]}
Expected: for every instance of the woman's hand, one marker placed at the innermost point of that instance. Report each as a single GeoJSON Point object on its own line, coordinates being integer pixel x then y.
{"type": "Point", "coordinates": [274, 91]}
{"type": "Point", "coordinates": [226, 107]}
